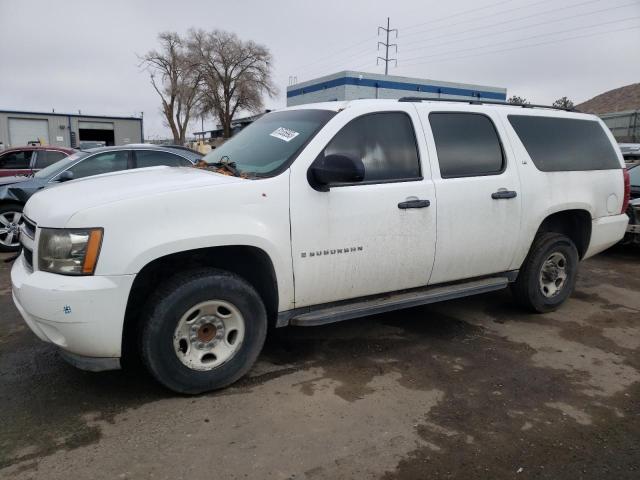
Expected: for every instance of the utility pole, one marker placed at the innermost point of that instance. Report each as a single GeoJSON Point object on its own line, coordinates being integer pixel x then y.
{"type": "Point", "coordinates": [386, 45]}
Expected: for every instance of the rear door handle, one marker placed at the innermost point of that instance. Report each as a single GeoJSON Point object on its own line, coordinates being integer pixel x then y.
{"type": "Point", "coordinates": [504, 194]}
{"type": "Point", "coordinates": [414, 204]}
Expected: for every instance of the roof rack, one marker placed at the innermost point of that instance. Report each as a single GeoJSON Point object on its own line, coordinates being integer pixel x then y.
{"type": "Point", "coordinates": [483, 102]}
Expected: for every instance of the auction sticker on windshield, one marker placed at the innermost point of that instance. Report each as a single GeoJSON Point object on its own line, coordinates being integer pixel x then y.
{"type": "Point", "coordinates": [284, 134]}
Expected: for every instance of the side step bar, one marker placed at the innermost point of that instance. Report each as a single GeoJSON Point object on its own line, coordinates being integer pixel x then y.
{"type": "Point", "coordinates": [372, 306]}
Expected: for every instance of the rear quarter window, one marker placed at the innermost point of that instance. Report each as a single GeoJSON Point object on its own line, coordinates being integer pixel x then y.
{"type": "Point", "coordinates": [565, 144]}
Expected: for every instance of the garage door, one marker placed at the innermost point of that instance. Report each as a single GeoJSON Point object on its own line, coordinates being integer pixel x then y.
{"type": "Point", "coordinates": [95, 125]}
{"type": "Point", "coordinates": [25, 130]}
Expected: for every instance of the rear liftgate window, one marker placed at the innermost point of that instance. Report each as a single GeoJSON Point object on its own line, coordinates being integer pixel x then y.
{"type": "Point", "coordinates": [565, 144]}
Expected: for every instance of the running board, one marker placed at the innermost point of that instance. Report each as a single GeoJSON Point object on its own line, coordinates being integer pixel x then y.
{"type": "Point", "coordinates": [372, 306]}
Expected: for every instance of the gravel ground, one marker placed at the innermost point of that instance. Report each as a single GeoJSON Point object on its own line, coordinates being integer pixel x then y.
{"type": "Point", "coordinates": [472, 388]}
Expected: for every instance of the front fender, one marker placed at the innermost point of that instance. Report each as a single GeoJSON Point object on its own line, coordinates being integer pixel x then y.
{"type": "Point", "coordinates": [139, 231]}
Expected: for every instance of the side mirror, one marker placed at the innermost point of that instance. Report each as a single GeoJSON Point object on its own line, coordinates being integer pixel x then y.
{"type": "Point", "coordinates": [332, 169]}
{"type": "Point", "coordinates": [65, 176]}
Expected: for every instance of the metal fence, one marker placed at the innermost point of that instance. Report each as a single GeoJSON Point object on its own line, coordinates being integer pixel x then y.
{"type": "Point", "coordinates": [625, 126]}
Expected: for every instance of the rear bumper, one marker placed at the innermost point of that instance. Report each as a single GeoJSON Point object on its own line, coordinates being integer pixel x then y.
{"type": "Point", "coordinates": [84, 316]}
{"type": "Point", "coordinates": [606, 232]}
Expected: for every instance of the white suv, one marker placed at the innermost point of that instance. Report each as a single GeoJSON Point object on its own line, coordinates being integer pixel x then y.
{"type": "Point", "coordinates": [317, 214]}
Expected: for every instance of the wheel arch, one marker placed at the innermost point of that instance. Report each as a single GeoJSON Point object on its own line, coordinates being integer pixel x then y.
{"type": "Point", "coordinates": [574, 223]}
{"type": "Point", "coordinates": [249, 262]}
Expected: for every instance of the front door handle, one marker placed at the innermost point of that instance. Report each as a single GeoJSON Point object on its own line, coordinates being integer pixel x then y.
{"type": "Point", "coordinates": [414, 204]}
{"type": "Point", "coordinates": [503, 194]}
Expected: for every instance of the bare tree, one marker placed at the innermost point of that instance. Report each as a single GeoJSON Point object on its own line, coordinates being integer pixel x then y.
{"type": "Point", "coordinates": [177, 81]}
{"type": "Point", "coordinates": [235, 74]}
{"type": "Point", "coordinates": [516, 100]}
{"type": "Point", "coordinates": [564, 102]}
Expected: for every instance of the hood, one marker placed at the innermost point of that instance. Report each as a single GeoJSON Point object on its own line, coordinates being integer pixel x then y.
{"type": "Point", "coordinates": [54, 206]}
{"type": "Point", "coordinates": [14, 179]}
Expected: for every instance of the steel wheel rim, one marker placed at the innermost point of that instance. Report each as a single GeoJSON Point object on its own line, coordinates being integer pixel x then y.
{"type": "Point", "coordinates": [553, 275]}
{"type": "Point", "coordinates": [208, 335]}
{"type": "Point", "coordinates": [10, 228]}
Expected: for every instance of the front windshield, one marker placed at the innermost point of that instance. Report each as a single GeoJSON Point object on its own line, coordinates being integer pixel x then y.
{"type": "Point", "coordinates": [59, 166]}
{"type": "Point", "coordinates": [265, 146]}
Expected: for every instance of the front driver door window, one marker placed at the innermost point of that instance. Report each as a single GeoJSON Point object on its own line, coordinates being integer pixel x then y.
{"type": "Point", "coordinates": [106, 162]}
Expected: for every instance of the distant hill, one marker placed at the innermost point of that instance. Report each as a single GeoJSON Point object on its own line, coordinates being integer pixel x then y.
{"type": "Point", "coordinates": [616, 100]}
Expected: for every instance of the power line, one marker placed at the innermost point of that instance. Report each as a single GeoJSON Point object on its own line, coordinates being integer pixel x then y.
{"type": "Point", "coordinates": [386, 58]}
{"type": "Point", "coordinates": [336, 53]}
{"type": "Point", "coordinates": [464, 12]}
{"type": "Point", "coordinates": [522, 27]}
{"type": "Point", "coordinates": [512, 20]}
{"type": "Point", "coordinates": [582, 27]}
{"type": "Point", "coordinates": [490, 15]}
{"type": "Point", "coordinates": [523, 46]}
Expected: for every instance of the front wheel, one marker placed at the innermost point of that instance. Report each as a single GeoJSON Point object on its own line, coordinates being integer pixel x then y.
{"type": "Point", "coordinates": [548, 274]}
{"type": "Point", "coordinates": [202, 330]}
{"type": "Point", "coordinates": [10, 217]}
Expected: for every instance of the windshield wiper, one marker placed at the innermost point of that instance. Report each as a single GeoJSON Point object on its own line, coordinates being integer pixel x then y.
{"type": "Point", "coordinates": [227, 165]}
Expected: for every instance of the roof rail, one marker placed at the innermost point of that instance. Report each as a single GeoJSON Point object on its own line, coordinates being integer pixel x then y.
{"type": "Point", "coordinates": [483, 102]}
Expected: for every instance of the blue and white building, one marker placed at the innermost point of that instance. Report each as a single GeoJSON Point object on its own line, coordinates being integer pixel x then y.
{"type": "Point", "coordinates": [350, 85]}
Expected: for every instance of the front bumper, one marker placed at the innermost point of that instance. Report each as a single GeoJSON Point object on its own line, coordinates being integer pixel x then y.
{"type": "Point", "coordinates": [84, 316]}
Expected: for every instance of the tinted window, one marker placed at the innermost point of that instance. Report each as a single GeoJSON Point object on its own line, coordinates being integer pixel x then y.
{"type": "Point", "coordinates": [385, 142]}
{"type": "Point", "coordinates": [153, 158]}
{"type": "Point", "coordinates": [101, 163]}
{"type": "Point", "coordinates": [467, 144]}
{"type": "Point", "coordinates": [16, 160]}
{"type": "Point", "coordinates": [562, 144]}
{"type": "Point", "coordinates": [44, 158]}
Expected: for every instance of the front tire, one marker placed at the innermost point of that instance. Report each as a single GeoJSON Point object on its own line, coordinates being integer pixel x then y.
{"type": "Point", "coordinates": [548, 276]}
{"type": "Point", "coordinates": [202, 330]}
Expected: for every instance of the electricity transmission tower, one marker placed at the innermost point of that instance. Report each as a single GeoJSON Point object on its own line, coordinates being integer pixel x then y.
{"type": "Point", "coordinates": [386, 45]}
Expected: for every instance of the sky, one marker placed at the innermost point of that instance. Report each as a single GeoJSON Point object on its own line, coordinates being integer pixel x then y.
{"type": "Point", "coordinates": [83, 54]}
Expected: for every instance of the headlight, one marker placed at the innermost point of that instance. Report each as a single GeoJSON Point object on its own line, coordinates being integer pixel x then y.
{"type": "Point", "coordinates": [69, 251]}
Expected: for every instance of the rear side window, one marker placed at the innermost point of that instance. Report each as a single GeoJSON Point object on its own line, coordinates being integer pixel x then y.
{"type": "Point", "coordinates": [565, 144]}
{"type": "Point", "coordinates": [467, 144]}
{"type": "Point", "coordinates": [385, 142]}
{"type": "Point", "coordinates": [44, 158]}
{"type": "Point", "coordinates": [16, 160]}
{"type": "Point", "coordinates": [154, 158]}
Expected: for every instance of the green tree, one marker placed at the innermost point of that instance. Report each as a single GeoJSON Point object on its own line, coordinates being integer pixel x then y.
{"type": "Point", "coordinates": [565, 103]}
{"type": "Point", "coordinates": [516, 100]}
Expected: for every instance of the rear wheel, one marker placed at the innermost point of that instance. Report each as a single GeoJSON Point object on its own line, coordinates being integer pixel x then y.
{"type": "Point", "coordinates": [203, 330]}
{"type": "Point", "coordinates": [548, 275]}
{"type": "Point", "coordinates": [10, 217]}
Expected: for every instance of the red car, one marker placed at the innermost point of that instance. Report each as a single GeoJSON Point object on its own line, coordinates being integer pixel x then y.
{"type": "Point", "coordinates": [27, 160]}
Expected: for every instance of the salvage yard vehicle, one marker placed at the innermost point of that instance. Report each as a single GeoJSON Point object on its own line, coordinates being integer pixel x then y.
{"type": "Point", "coordinates": [633, 211]}
{"type": "Point", "coordinates": [316, 214]}
{"type": "Point", "coordinates": [27, 160]}
{"type": "Point", "coordinates": [15, 191]}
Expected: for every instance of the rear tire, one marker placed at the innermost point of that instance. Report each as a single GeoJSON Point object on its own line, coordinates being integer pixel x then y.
{"type": "Point", "coordinates": [202, 330]}
{"type": "Point", "coordinates": [548, 276]}
{"type": "Point", "coordinates": [10, 216]}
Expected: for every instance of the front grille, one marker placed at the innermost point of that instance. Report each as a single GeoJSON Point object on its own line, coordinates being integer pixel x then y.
{"type": "Point", "coordinates": [28, 257]}
{"type": "Point", "coordinates": [29, 227]}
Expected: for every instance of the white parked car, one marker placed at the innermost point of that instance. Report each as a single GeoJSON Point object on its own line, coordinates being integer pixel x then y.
{"type": "Point", "coordinates": [325, 212]}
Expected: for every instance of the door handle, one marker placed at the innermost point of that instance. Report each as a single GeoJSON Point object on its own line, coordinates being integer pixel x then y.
{"type": "Point", "coordinates": [504, 194]}
{"type": "Point", "coordinates": [414, 204]}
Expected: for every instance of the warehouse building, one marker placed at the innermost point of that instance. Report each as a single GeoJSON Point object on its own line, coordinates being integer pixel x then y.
{"type": "Point", "coordinates": [67, 130]}
{"type": "Point", "coordinates": [350, 85]}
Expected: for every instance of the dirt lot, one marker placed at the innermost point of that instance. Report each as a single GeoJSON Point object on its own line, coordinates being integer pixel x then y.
{"type": "Point", "coordinates": [471, 388]}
